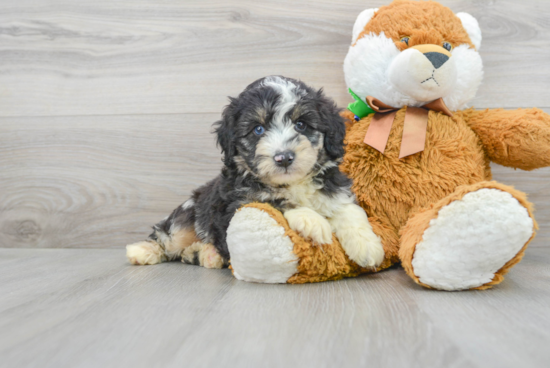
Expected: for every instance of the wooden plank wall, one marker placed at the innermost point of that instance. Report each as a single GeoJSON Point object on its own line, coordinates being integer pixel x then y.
{"type": "Point", "coordinates": [106, 106]}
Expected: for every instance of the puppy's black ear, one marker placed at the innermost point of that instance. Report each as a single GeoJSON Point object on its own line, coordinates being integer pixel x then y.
{"type": "Point", "coordinates": [335, 128]}
{"type": "Point", "coordinates": [225, 130]}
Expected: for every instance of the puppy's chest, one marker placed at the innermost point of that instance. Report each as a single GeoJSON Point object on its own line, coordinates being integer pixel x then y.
{"type": "Point", "coordinates": [307, 195]}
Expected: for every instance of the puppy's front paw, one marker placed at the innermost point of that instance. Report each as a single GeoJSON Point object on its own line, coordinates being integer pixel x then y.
{"type": "Point", "coordinates": [355, 234]}
{"type": "Point", "coordinates": [202, 254]}
{"type": "Point", "coordinates": [309, 224]}
{"type": "Point", "coordinates": [144, 253]}
{"type": "Point", "coordinates": [363, 247]}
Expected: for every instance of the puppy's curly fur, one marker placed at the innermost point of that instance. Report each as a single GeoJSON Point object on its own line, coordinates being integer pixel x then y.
{"type": "Point", "coordinates": [282, 142]}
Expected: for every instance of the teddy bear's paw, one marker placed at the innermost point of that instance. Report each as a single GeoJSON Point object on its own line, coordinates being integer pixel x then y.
{"type": "Point", "coordinates": [471, 239]}
{"type": "Point", "coordinates": [309, 224]}
{"type": "Point", "coordinates": [260, 250]}
{"type": "Point", "coordinates": [145, 253]}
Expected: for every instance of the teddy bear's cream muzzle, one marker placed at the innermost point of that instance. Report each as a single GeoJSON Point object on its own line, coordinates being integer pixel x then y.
{"type": "Point", "coordinates": [423, 72]}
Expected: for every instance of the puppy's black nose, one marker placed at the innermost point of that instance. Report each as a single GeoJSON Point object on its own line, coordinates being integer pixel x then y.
{"type": "Point", "coordinates": [436, 58]}
{"type": "Point", "coordinates": [284, 159]}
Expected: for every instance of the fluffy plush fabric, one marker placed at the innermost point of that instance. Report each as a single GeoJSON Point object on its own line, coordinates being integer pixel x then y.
{"type": "Point", "coordinates": [391, 188]}
{"type": "Point", "coordinates": [518, 138]}
{"type": "Point", "coordinates": [412, 233]}
{"type": "Point", "coordinates": [424, 22]}
{"type": "Point", "coordinates": [436, 211]}
{"type": "Point", "coordinates": [265, 249]}
{"type": "Point", "coordinates": [386, 72]}
{"type": "Point", "coordinates": [264, 252]}
{"type": "Point", "coordinates": [466, 240]}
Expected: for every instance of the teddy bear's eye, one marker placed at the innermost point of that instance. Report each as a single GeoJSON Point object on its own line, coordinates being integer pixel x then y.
{"type": "Point", "coordinates": [447, 46]}
{"type": "Point", "coordinates": [405, 39]}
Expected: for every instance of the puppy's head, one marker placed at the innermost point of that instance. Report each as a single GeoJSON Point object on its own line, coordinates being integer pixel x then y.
{"type": "Point", "coordinates": [280, 130]}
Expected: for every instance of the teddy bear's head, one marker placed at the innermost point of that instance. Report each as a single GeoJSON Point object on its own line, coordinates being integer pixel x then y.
{"type": "Point", "coordinates": [414, 52]}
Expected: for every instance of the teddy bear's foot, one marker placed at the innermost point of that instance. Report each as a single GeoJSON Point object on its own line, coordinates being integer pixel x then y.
{"type": "Point", "coordinates": [469, 239]}
{"type": "Point", "coordinates": [264, 248]}
{"type": "Point", "coordinates": [260, 250]}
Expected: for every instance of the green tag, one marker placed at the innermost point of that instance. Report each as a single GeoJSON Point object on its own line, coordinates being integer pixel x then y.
{"type": "Point", "coordinates": [360, 108]}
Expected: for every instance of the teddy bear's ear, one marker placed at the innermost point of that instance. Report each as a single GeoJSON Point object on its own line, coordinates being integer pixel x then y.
{"type": "Point", "coordinates": [361, 21]}
{"type": "Point", "coordinates": [472, 27]}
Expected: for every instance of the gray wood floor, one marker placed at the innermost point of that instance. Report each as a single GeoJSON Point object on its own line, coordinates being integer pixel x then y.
{"type": "Point", "coordinates": [89, 308]}
{"type": "Point", "coordinates": [106, 107]}
{"type": "Point", "coordinates": [105, 116]}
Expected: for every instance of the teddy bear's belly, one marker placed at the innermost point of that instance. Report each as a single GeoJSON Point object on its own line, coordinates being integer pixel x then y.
{"type": "Point", "coordinates": [391, 189]}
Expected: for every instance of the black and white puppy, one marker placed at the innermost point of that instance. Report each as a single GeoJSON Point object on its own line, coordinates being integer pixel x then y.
{"type": "Point", "coordinates": [282, 142]}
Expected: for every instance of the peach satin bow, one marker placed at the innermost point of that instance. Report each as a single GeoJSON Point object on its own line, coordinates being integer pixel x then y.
{"type": "Point", "coordinates": [414, 129]}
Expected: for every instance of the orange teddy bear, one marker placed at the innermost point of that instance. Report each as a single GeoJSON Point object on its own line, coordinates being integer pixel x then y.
{"type": "Point", "coordinates": [419, 161]}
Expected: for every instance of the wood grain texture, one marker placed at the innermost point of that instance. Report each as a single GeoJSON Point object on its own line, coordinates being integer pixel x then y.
{"type": "Point", "coordinates": [155, 57]}
{"type": "Point", "coordinates": [106, 107]}
{"type": "Point", "coordinates": [89, 308]}
{"type": "Point", "coordinates": [99, 181]}
{"type": "Point", "coordinates": [105, 114]}
{"type": "Point", "coordinates": [103, 181]}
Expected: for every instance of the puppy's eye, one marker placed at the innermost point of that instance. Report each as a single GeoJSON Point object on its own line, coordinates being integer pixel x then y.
{"type": "Point", "coordinates": [300, 126]}
{"type": "Point", "coordinates": [259, 130]}
{"type": "Point", "coordinates": [405, 39]}
{"type": "Point", "coordinates": [447, 46]}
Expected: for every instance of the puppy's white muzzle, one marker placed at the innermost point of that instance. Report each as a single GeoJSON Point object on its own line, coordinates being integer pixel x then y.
{"type": "Point", "coordinates": [423, 72]}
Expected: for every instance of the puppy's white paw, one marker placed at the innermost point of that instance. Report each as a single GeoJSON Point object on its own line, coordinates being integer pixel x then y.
{"type": "Point", "coordinates": [144, 253]}
{"type": "Point", "coordinates": [309, 224]}
{"type": "Point", "coordinates": [362, 246]}
{"type": "Point", "coordinates": [202, 254]}
{"type": "Point", "coordinates": [355, 234]}
{"type": "Point", "coordinates": [210, 258]}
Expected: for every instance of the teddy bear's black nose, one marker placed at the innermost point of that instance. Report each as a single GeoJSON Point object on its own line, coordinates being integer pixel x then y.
{"type": "Point", "coordinates": [436, 58]}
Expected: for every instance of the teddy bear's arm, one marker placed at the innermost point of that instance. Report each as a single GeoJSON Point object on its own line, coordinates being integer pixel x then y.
{"type": "Point", "coordinates": [515, 138]}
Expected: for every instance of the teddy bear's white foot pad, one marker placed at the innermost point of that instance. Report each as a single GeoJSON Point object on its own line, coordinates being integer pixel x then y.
{"type": "Point", "coordinates": [471, 239]}
{"type": "Point", "coordinates": [260, 251]}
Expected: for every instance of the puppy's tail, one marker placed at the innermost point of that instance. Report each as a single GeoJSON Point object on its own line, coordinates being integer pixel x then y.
{"type": "Point", "coordinates": [170, 237]}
